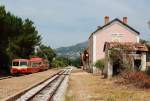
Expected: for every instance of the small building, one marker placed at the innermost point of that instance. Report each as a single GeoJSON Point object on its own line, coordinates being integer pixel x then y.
{"type": "Point", "coordinates": [136, 53]}
{"type": "Point", "coordinates": [112, 31]}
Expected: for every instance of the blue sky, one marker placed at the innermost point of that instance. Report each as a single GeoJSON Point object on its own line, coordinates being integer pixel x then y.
{"type": "Point", "coordinates": [67, 22]}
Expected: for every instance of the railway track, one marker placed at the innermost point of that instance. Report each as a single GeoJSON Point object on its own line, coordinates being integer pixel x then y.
{"type": "Point", "coordinates": [44, 91]}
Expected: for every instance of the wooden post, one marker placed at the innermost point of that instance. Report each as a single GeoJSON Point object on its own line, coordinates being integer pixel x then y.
{"type": "Point", "coordinates": [143, 62]}
{"type": "Point", "coordinates": [110, 70]}
{"type": "Point", "coordinates": [109, 67]}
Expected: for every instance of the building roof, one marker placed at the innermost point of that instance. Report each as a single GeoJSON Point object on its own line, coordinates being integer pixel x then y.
{"type": "Point", "coordinates": [116, 19]}
{"type": "Point", "coordinates": [130, 46]}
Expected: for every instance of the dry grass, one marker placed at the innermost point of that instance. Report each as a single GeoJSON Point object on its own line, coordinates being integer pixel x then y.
{"type": "Point", "coordinates": [87, 87]}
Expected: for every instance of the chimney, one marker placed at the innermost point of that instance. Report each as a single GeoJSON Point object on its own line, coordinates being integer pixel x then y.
{"type": "Point", "coordinates": [125, 20]}
{"type": "Point", "coordinates": [106, 18]}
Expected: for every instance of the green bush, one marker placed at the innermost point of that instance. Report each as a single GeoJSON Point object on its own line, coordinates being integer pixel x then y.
{"type": "Point", "coordinates": [60, 62]}
{"type": "Point", "coordinates": [76, 62]}
{"type": "Point", "coordinates": [148, 70]}
{"type": "Point", "coordinates": [100, 64]}
{"type": "Point", "coordinates": [57, 63]}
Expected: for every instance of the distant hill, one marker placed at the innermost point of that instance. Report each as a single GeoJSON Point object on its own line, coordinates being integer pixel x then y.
{"type": "Point", "coordinates": [71, 52]}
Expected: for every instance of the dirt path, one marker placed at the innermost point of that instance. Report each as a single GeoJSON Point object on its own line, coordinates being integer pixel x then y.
{"type": "Point", "coordinates": [87, 87]}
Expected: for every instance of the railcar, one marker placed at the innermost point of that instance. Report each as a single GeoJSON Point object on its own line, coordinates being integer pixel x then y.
{"type": "Point", "coordinates": [35, 64]}
{"type": "Point", "coordinates": [19, 66]}
{"type": "Point", "coordinates": [32, 65]}
{"type": "Point", "coordinates": [45, 64]}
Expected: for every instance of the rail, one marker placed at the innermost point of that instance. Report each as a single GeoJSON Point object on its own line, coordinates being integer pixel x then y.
{"type": "Point", "coordinates": [43, 91]}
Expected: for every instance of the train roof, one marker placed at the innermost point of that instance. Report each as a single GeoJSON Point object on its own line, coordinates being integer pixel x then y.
{"type": "Point", "coordinates": [36, 59]}
{"type": "Point", "coordinates": [22, 60]}
{"type": "Point", "coordinates": [33, 59]}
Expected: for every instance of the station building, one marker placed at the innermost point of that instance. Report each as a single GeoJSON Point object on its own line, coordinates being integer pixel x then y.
{"type": "Point", "coordinates": [112, 32]}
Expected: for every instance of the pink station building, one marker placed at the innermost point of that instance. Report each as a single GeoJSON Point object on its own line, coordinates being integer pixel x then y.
{"type": "Point", "coordinates": [112, 31]}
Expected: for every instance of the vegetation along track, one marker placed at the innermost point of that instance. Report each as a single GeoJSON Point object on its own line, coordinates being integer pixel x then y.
{"type": "Point", "coordinates": [5, 77]}
{"type": "Point", "coordinates": [44, 91]}
{"type": "Point", "coordinates": [11, 76]}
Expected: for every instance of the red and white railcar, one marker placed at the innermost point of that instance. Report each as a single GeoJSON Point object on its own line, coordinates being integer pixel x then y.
{"type": "Point", "coordinates": [19, 66]}
{"type": "Point", "coordinates": [44, 65]}
{"type": "Point", "coordinates": [32, 65]}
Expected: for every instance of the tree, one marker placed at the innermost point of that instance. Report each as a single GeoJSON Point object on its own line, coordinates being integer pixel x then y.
{"type": "Point", "coordinates": [18, 37]}
{"type": "Point", "coordinates": [100, 64]}
{"type": "Point", "coordinates": [76, 62]}
{"type": "Point", "coordinates": [46, 52]}
{"type": "Point", "coordinates": [28, 39]}
{"type": "Point", "coordinates": [60, 62]}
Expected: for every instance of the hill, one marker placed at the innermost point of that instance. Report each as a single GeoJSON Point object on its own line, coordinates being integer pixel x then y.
{"type": "Point", "coordinates": [71, 52]}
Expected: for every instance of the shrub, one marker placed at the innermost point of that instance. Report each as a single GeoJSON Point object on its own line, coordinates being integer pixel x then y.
{"type": "Point", "coordinates": [148, 71]}
{"type": "Point", "coordinates": [119, 56]}
{"type": "Point", "coordinates": [138, 79]}
{"type": "Point", "coordinates": [100, 64]}
{"type": "Point", "coordinates": [57, 63]}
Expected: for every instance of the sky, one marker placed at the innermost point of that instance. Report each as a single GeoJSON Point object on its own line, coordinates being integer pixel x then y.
{"type": "Point", "coordinates": [68, 22]}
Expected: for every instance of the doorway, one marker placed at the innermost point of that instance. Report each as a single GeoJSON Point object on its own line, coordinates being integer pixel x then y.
{"type": "Point", "coordinates": [116, 69]}
{"type": "Point", "coordinates": [137, 65]}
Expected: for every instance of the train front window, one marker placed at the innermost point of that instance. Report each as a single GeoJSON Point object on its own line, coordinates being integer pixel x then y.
{"type": "Point", "coordinates": [15, 63]}
{"type": "Point", "coordinates": [23, 64]}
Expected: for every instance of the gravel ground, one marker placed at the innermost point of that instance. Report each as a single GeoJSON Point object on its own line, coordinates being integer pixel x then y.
{"type": "Point", "coordinates": [88, 87]}
{"type": "Point", "coordinates": [13, 85]}
{"type": "Point", "coordinates": [60, 94]}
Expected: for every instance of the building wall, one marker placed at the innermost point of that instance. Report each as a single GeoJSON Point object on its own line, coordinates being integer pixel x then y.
{"type": "Point", "coordinates": [90, 49]}
{"type": "Point", "coordinates": [114, 32]}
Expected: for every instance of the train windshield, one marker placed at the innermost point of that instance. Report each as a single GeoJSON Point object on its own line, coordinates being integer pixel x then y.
{"type": "Point", "coordinates": [23, 64]}
{"type": "Point", "coordinates": [15, 63]}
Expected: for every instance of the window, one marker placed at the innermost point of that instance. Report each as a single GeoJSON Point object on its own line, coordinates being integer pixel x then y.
{"type": "Point", "coordinates": [15, 63]}
{"type": "Point", "coordinates": [23, 64]}
{"type": "Point", "coordinates": [34, 64]}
